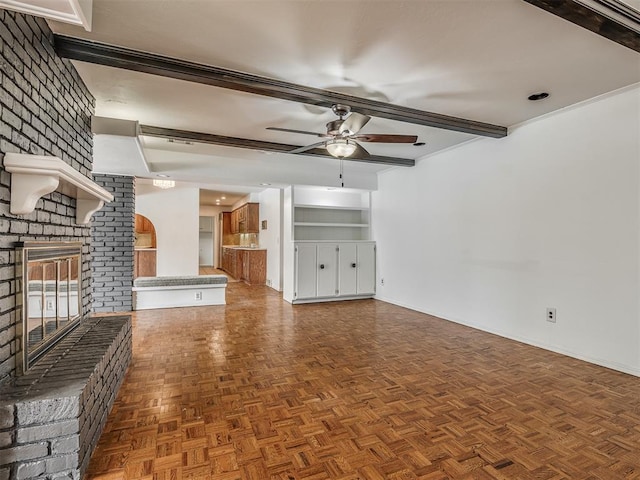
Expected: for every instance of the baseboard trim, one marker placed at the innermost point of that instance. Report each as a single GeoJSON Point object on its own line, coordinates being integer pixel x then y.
{"type": "Point", "coordinates": [552, 348]}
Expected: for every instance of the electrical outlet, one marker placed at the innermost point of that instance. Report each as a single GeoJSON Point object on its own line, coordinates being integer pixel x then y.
{"type": "Point", "coordinates": [198, 295]}
{"type": "Point", "coordinates": [382, 282]}
{"type": "Point", "coordinates": [268, 282]}
{"type": "Point", "coordinates": [551, 315]}
{"type": "Point", "coordinates": [50, 305]}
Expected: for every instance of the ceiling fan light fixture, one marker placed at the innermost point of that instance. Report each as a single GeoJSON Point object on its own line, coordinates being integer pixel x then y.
{"type": "Point", "coordinates": [341, 147]}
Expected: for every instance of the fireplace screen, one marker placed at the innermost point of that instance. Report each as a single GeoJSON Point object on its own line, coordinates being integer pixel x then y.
{"type": "Point", "coordinates": [51, 299]}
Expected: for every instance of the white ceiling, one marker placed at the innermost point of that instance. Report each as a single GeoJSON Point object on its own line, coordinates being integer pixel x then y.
{"type": "Point", "coordinates": [476, 59]}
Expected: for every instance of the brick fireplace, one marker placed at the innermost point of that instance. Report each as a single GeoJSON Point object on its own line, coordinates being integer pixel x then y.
{"type": "Point", "coordinates": [52, 416]}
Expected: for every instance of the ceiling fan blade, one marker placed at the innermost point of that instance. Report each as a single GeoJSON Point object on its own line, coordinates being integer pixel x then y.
{"type": "Point", "coordinates": [297, 131]}
{"type": "Point", "coordinates": [307, 147]}
{"type": "Point", "coordinates": [359, 153]}
{"type": "Point", "coordinates": [354, 123]}
{"type": "Point", "coordinates": [384, 138]}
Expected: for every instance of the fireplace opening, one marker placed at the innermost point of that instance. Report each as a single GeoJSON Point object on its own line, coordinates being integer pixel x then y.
{"type": "Point", "coordinates": [49, 279]}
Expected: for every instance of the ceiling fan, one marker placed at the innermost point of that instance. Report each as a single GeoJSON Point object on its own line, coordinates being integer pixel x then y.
{"type": "Point", "coordinates": [342, 134]}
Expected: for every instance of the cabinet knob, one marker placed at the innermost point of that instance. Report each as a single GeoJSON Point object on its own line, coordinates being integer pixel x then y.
{"type": "Point", "coordinates": [353, 265]}
{"type": "Point", "coordinates": [322, 266]}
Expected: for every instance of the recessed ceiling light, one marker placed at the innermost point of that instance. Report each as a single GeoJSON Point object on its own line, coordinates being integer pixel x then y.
{"type": "Point", "coordinates": [265, 184]}
{"type": "Point", "coordinates": [162, 175]}
{"type": "Point", "coordinates": [419, 144]}
{"type": "Point", "coordinates": [538, 96]}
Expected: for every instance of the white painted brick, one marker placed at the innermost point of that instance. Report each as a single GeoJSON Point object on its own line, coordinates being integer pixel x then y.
{"type": "Point", "coordinates": [65, 445]}
{"type": "Point", "coordinates": [48, 431]}
{"type": "Point", "coordinates": [23, 453]}
{"type": "Point", "coordinates": [6, 416]}
{"type": "Point", "coordinates": [30, 470]}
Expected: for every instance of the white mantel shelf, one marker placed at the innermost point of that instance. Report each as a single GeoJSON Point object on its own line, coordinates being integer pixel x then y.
{"type": "Point", "coordinates": [33, 176]}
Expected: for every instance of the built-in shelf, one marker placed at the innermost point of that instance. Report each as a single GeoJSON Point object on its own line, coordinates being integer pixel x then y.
{"type": "Point", "coordinates": [325, 224]}
{"type": "Point", "coordinates": [329, 207]}
{"type": "Point", "coordinates": [328, 222]}
{"type": "Point", "coordinates": [33, 176]}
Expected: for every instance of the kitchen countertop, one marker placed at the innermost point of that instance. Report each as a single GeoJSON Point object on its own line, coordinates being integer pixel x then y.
{"type": "Point", "coordinates": [241, 247]}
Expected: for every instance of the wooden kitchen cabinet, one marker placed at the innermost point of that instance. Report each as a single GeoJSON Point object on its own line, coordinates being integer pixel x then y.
{"type": "Point", "coordinates": [246, 219]}
{"type": "Point", "coordinates": [144, 263]}
{"type": "Point", "coordinates": [254, 267]}
{"type": "Point", "coordinates": [252, 217]}
{"type": "Point", "coordinates": [228, 257]}
{"type": "Point", "coordinates": [234, 222]}
{"type": "Point", "coordinates": [226, 223]}
{"type": "Point", "coordinates": [245, 264]}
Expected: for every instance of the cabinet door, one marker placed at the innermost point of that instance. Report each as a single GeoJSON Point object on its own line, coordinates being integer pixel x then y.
{"type": "Point", "coordinates": [225, 260]}
{"type": "Point", "coordinates": [253, 218]}
{"type": "Point", "coordinates": [348, 268]}
{"type": "Point", "coordinates": [327, 270]}
{"type": "Point", "coordinates": [305, 271]}
{"type": "Point", "coordinates": [366, 268]}
{"type": "Point", "coordinates": [257, 267]}
{"type": "Point", "coordinates": [246, 263]}
{"type": "Point", "coordinates": [146, 263]}
{"type": "Point", "coordinates": [226, 223]}
{"type": "Point", "coordinates": [238, 265]}
{"type": "Point", "coordinates": [234, 221]}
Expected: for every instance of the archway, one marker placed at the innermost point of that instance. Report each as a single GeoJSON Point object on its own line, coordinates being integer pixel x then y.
{"type": "Point", "coordinates": [144, 258]}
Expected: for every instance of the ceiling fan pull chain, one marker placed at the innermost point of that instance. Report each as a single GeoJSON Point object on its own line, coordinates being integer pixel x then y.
{"type": "Point", "coordinates": [342, 171]}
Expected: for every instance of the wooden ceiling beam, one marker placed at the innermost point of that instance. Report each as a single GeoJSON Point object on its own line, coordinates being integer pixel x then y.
{"type": "Point", "coordinates": [199, 137]}
{"type": "Point", "coordinates": [114, 56]}
{"type": "Point", "coordinates": [611, 19]}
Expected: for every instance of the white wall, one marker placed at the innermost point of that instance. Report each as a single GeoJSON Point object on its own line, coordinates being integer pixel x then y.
{"type": "Point", "coordinates": [174, 213]}
{"type": "Point", "coordinates": [271, 211]}
{"type": "Point", "coordinates": [492, 233]}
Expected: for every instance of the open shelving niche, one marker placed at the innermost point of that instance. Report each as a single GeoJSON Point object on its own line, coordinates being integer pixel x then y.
{"type": "Point", "coordinates": [330, 215]}
{"type": "Point", "coordinates": [314, 222]}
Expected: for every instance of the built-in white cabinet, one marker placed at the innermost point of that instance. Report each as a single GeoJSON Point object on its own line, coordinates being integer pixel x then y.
{"type": "Point", "coordinates": [333, 271]}
{"type": "Point", "coordinates": [206, 224]}
{"type": "Point", "coordinates": [328, 252]}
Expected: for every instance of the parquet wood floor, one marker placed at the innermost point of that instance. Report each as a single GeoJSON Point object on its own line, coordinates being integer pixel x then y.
{"type": "Point", "coordinates": [202, 270]}
{"type": "Point", "coordinates": [259, 389]}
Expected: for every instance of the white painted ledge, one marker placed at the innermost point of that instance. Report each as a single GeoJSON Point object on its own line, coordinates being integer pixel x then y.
{"type": "Point", "coordinates": [33, 176]}
{"type": "Point", "coordinates": [75, 12]}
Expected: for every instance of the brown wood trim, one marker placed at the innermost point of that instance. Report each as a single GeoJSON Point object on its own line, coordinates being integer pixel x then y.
{"type": "Point", "coordinates": [114, 56]}
{"type": "Point", "coordinates": [212, 139]}
{"type": "Point", "coordinates": [596, 21]}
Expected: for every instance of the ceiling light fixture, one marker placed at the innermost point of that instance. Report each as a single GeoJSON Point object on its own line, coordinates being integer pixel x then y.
{"type": "Point", "coordinates": [164, 184]}
{"type": "Point", "coordinates": [341, 147]}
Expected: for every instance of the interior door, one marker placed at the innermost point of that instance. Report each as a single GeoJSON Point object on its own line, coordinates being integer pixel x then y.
{"type": "Point", "coordinates": [327, 270]}
{"type": "Point", "coordinates": [305, 271]}
{"type": "Point", "coordinates": [366, 268]}
{"type": "Point", "coordinates": [348, 266]}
